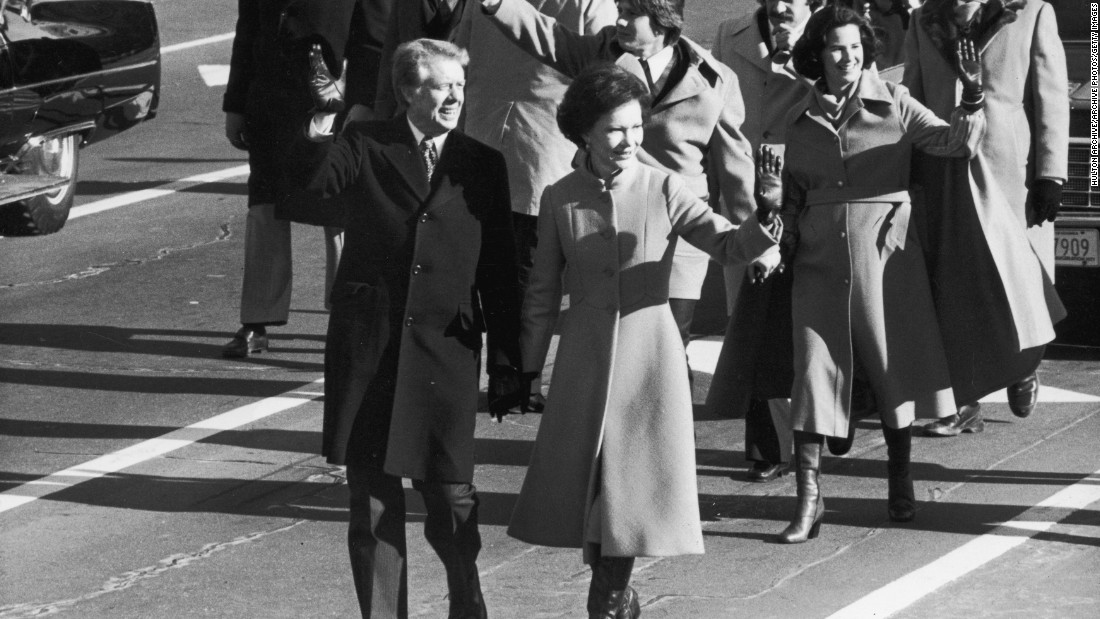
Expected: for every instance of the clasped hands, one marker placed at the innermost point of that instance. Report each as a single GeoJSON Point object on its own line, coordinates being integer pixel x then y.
{"type": "Point", "coordinates": [769, 201]}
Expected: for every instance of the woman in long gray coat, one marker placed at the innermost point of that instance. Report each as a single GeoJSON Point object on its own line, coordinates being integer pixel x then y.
{"type": "Point", "coordinates": [861, 300]}
{"type": "Point", "coordinates": [613, 469]}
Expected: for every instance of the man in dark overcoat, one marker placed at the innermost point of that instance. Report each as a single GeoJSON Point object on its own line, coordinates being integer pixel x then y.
{"type": "Point", "coordinates": [264, 99]}
{"type": "Point", "coordinates": [429, 264]}
{"type": "Point", "coordinates": [987, 223]}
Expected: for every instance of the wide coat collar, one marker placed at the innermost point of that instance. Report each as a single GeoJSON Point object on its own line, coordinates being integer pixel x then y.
{"type": "Point", "coordinates": [398, 146]}
{"type": "Point", "coordinates": [937, 18]}
{"type": "Point", "coordinates": [703, 72]}
{"type": "Point", "coordinates": [872, 90]}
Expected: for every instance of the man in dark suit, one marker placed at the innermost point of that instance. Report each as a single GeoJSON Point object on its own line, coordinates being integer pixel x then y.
{"type": "Point", "coordinates": [265, 95]}
{"type": "Point", "coordinates": [429, 264]}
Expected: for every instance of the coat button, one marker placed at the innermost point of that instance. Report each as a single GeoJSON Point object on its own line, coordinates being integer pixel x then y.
{"type": "Point", "coordinates": [607, 233]}
{"type": "Point", "coordinates": [840, 183]}
{"type": "Point", "coordinates": [846, 282]}
{"type": "Point", "coordinates": [409, 321]}
{"type": "Point", "coordinates": [424, 218]}
{"type": "Point", "coordinates": [843, 234]}
{"type": "Point", "coordinates": [418, 269]}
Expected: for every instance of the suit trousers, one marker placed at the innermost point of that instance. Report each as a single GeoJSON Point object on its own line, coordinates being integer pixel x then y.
{"type": "Point", "coordinates": [376, 537]}
{"type": "Point", "coordinates": [265, 290]}
{"type": "Point", "coordinates": [768, 435]}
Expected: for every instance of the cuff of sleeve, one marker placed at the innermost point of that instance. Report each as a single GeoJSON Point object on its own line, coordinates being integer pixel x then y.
{"type": "Point", "coordinates": [320, 126]}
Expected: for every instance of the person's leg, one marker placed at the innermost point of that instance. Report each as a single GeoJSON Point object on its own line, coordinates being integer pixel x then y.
{"type": "Point", "coordinates": [683, 310]}
{"type": "Point", "coordinates": [376, 542]}
{"type": "Point", "coordinates": [811, 505]}
{"type": "Point", "coordinates": [762, 446]}
{"type": "Point", "coordinates": [901, 502]}
{"type": "Point", "coordinates": [451, 530]}
{"type": "Point", "coordinates": [265, 291]}
{"type": "Point", "coordinates": [610, 595]}
{"type": "Point", "coordinates": [334, 248]}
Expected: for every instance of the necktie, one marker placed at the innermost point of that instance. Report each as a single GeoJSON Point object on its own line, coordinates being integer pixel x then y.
{"type": "Point", "coordinates": [427, 152]}
{"type": "Point", "coordinates": [965, 11]}
{"type": "Point", "coordinates": [648, 77]}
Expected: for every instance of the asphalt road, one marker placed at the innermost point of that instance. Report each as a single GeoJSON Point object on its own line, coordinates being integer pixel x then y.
{"type": "Point", "coordinates": [141, 475]}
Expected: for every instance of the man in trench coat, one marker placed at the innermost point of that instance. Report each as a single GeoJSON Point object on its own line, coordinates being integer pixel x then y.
{"type": "Point", "coordinates": [987, 223]}
{"type": "Point", "coordinates": [429, 264]}
{"type": "Point", "coordinates": [755, 369]}
{"type": "Point", "coordinates": [694, 126]}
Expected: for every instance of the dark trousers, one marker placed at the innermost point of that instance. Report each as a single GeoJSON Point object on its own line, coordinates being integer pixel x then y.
{"type": "Point", "coordinates": [525, 229]}
{"type": "Point", "coordinates": [376, 537]}
{"type": "Point", "coordinates": [761, 439]}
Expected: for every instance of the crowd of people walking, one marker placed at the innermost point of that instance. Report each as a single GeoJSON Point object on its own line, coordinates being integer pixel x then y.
{"type": "Point", "coordinates": [879, 181]}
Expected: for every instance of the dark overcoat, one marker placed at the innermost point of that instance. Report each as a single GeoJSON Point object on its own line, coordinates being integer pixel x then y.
{"type": "Point", "coordinates": [426, 269]}
{"type": "Point", "coordinates": [269, 72]}
{"type": "Point", "coordinates": [974, 226]}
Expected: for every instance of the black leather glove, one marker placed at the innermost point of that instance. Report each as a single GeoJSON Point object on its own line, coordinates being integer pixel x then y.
{"type": "Point", "coordinates": [968, 64]}
{"type": "Point", "coordinates": [326, 90]}
{"type": "Point", "coordinates": [506, 391]}
{"type": "Point", "coordinates": [1047, 199]}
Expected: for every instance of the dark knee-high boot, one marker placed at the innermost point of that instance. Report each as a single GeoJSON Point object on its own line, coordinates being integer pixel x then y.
{"type": "Point", "coordinates": [610, 595]}
{"type": "Point", "coordinates": [901, 502]}
{"type": "Point", "coordinates": [811, 505]}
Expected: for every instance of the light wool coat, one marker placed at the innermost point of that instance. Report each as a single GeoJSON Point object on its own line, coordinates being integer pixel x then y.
{"type": "Point", "coordinates": [861, 296]}
{"type": "Point", "coordinates": [693, 131]}
{"type": "Point", "coordinates": [615, 454]}
{"type": "Point", "coordinates": [512, 98]}
{"type": "Point", "coordinates": [1024, 75]}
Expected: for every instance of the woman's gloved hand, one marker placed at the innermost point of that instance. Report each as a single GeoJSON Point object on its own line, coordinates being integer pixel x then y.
{"type": "Point", "coordinates": [326, 90]}
{"type": "Point", "coordinates": [968, 64]}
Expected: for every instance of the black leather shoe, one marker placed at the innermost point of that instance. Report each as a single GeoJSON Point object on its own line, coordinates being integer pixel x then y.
{"type": "Point", "coordinates": [969, 419]}
{"type": "Point", "coordinates": [1023, 395]}
{"type": "Point", "coordinates": [766, 471]}
{"type": "Point", "coordinates": [247, 341]}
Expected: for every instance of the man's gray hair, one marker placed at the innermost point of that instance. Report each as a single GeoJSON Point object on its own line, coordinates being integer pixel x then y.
{"type": "Point", "coordinates": [410, 56]}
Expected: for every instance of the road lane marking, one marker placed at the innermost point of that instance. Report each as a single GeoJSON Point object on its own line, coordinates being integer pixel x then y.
{"type": "Point", "coordinates": [214, 74]}
{"type": "Point", "coordinates": [152, 448]}
{"type": "Point", "coordinates": [134, 197]}
{"type": "Point", "coordinates": [908, 589]}
{"type": "Point", "coordinates": [218, 38]}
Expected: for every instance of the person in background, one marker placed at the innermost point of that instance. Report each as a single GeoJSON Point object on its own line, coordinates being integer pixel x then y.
{"type": "Point", "coordinates": [861, 300]}
{"type": "Point", "coordinates": [264, 99]}
{"type": "Point", "coordinates": [694, 126]}
{"type": "Point", "coordinates": [754, 371]}
{"type": "Point", "coordinates": [429, 265]}
{"type": "Point", "coordinates": [613, 468]}
{"type": "Point", "coordinates": [510, 104]}
{"type": "Point", "coordinates": [987, 224]}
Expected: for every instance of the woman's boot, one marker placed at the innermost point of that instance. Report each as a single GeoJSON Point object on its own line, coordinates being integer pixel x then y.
{"type": "Point", "coordinates": [811, 506]}
{"type": "Point", "coordinates": [901, 504]}
{"type": "Point", "coordinates": [610, 595]}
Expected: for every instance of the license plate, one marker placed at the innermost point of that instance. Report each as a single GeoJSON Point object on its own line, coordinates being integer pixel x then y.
{"type": "Point", "coordinates": [1076, 247]}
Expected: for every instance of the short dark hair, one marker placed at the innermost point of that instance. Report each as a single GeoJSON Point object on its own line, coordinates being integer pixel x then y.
{"type": "Point", "coordinates": [595, 92]}
{"type": "Point", "coordinates": [410, 56]}
{"type": "Point", "coordinates": [666, 14]}
{"type": "Point", "coordinates": [806, 54]}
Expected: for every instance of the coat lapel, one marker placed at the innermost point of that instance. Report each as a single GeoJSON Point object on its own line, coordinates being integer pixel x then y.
{"type": "Point", "coordinates": [400, 151]}
{"type": "Point", "coordinates": [746, 41]}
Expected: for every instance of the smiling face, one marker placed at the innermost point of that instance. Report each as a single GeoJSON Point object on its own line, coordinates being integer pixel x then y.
{"type": "Point", "coordinates": [636, 33]}
{"type": "Point", "coordinates": [436, 103]}
{"type": "Point", "coordinates": [614, 140]}
{"type": "Point", "coordinates": [842, 58]}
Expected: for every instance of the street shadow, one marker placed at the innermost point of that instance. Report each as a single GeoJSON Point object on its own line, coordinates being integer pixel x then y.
{"type": "Point", "coordinates": [503, 452]}
{"type": "Point", "coordinates": [157, 342]}
{"type": "Point", "coordinates": [1065, 352]}
{"type": "Point", "coordinates": [972, 519]}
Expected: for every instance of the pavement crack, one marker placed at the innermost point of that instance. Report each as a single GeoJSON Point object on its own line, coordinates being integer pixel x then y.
{"type": "Point", "coordinates": [134, 577]}
{"type": "Point", "coordinates": [224, 233]}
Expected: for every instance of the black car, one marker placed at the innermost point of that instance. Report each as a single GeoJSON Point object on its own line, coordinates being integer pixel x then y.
{"type": "Point", "coordinates": [72, 72]}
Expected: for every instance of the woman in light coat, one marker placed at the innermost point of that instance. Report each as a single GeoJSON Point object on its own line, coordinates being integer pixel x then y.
{"type": "Point", "coordinates": [613, 469]}
{"type": "Point", "coordinates": [861, 300]}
